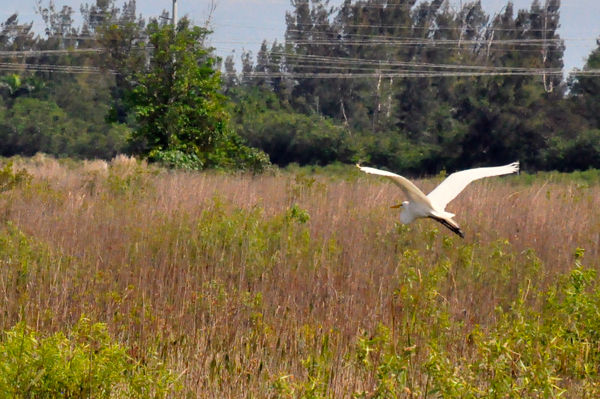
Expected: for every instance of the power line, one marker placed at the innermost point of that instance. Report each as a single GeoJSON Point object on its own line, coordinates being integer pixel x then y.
{"type": "Point", "coordinates": [361, 61]}
{"type": "Point", "coordinates": [51, 68]}
{"type": "Point", "coordinates": [397, 42]}
{"type": "Point", "coordinates": [379, 26]}
{"type": "Point", "coordinates": [32, 53]}
{"type": "Point", "coordinates": [383, 70]}
{"type": "Point", "coordinates": [342, 33]}
{"type": "Point", "coordinates": [383, 73]}
{"type": "Point", "coordinates": [424, 44]}
{"type": "Point", "coordinates": [320, 61]}
{"type": "Point", "coordinates": [406, 42]}
{"type": "Point", "coordinates": [379, 39]}
{"type": "Point", "coordinates": [408, 74]}
{"type": "Point", "coordinates": [391, 41]}
{"type": "Point", "coordinates": [383, 39]}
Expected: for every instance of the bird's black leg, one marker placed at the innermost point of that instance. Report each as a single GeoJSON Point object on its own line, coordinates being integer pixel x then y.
{"type": "Point", "coordinates": [454, 229]}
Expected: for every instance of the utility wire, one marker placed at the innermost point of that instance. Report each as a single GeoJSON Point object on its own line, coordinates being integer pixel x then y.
{"type": "Point", "coordinates": [33, 53]}
{"type": "Point", "coordinates": [315, 61]}
{"type": "Point", "coordinates": [329, 59]}
{"type": "Point", "coordinates": [51, 68]}
{"type": "Point", "coordinates": [380, 26]}
{"type": "Point", "coordinates": [384, 73]}
{"type": "Point", "coordinates": [343, 35]}
{"type": "Point", "coordinates": [406, 74]}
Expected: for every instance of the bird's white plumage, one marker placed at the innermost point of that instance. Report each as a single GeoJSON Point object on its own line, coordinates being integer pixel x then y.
{"type": "Point", "coordinates": [411, 191]}
{"type": "Point", "coordinates": [456, 182]}
{"type": "Point", "coordinates": [433, 205]}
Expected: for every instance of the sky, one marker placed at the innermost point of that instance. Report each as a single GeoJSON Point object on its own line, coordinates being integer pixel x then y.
{"type": "Point", "coordinates": [243, 25]}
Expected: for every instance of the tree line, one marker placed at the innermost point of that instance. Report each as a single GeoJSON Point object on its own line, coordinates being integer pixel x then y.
{"type": "Point", "coordinates": [118, 83]}
{"type": "Point", "coordinates": [420, 123]}
{"type": "Point", "coordinates": [412, 87]}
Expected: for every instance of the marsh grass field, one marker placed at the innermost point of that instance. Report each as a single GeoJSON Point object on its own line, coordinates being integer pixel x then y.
{"type": "Point", "coordinates": [305, 285]}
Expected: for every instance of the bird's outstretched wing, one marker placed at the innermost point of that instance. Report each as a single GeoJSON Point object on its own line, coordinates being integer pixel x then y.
{"type": "Point", "coordinates": [411, 191]}
{"type": "Point", "coordinates": [456, 182]}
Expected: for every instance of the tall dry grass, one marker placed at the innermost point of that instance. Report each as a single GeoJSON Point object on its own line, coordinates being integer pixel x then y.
{"type": "Point", "coordinates": [227, 281]}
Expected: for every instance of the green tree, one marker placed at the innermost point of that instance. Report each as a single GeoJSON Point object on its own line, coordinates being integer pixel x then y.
{"type": "Point", "coordinates": [31, 125]}
{"type": "Point", "coordinates": [585, 90]}
{"type": "Point", "coordinates": [231, 80]}
{"type": "Point", "coordinates": [176, 102]}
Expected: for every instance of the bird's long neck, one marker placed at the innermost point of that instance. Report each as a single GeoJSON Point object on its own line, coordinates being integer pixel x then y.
{"type": "Point", "coordinates": [407, 216]}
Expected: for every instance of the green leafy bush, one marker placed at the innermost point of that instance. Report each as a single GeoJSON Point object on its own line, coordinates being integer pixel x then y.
{"type": "Point", "coordinates": [581, 153]}
{"type": "Point", "coordinates": [10, 179]}
{"type": "Point", "coordinates": [82, 364]}
{"type": "Point", "coordinates": [32, 125]}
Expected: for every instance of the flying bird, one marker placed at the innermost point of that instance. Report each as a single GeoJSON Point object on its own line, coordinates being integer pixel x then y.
{"type": "Point", "coordinates": [432, 206]}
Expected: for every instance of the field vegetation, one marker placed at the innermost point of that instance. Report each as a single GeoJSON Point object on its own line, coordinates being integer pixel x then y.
{"type": "Point", "coordinates": [298, 284]}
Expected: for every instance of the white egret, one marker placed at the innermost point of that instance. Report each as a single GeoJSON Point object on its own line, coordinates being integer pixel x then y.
{"type": "Point", "coordinates": [432, 206]}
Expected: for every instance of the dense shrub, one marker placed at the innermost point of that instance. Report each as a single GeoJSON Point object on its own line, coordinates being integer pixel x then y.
{"type": "Point", "coordinates": [85, 362]}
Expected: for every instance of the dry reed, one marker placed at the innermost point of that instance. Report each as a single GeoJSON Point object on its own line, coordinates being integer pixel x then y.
{"type": "Point", "coordinates": [217, 275]}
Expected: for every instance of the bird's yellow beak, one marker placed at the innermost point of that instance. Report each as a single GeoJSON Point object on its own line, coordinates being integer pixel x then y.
{"type": "Point", "coordinates": [396, 206]}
